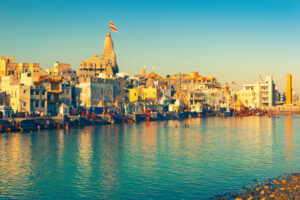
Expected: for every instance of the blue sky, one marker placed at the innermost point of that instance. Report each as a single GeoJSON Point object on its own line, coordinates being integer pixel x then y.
{"type": "Point", "coordinates": [230, 39]}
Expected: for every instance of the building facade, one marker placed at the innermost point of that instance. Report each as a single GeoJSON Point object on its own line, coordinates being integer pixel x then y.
{"type": "Point", "coordinates": [258, 95]}
{"type": "Point", "coordinates": [94, 92]}
{"type": "Point", "coordinates": [8, 66]}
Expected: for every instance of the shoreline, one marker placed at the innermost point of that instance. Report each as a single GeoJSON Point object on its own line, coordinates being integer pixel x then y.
{"type": "Point", "coordinates": [13, 124]}
{"type": "Point", "coordinates": [282, 188]}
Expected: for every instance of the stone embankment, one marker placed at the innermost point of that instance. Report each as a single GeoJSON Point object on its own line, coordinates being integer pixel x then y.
{"type": "Point", "coordinates": [284, 188]}
{"type": "Point", "coordinates": [284, 110]}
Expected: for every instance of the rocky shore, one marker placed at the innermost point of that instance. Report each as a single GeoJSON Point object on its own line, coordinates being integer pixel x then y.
{"type": "Point", "coordinates": [284, 188]}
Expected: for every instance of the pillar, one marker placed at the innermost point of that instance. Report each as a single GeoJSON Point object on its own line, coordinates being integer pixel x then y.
{"type": "Point", "coordinates": [289, 89]}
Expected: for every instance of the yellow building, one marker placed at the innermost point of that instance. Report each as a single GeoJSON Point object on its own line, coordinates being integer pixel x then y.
{"type": "Point", "coordinates": [289, 90]}
{"type": "Point", "coordinates": [150, 93]}
{"type": "Point", "coordinates": [135, 94]}
{"type": "Point", "coordinates": [8, 66]}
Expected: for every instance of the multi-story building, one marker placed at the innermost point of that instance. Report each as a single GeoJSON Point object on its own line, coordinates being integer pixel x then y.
{"type": "Point", "coordinates": [191, 82]}
{"type": "Point", "coordinates": [64, 70]}
{"type": "Point", "coordinates": [4, 98]}
{"type": "Point", "coordinates": [25, 94]}
{"type": "Point", "coordinates": [8, 66]}
{"type": "Point", "coordinates": [66, 95]}
{"type": "Point", "coordinates": [151, 93]}
{"type": "Point", "coordinates": [195, 97]}
{"type": "Point", "coordinates": [53, 85]}
{"type": "Point", "coordinates": [32, 99]}
{"type": "Point", "coordinates": [94, 92]}
{"type": "Point", "coordinates": [135, 94]}
{"type": "Point", "coordinates": [258, 94]}
{"type": "Point", "coordinates": [7, 81]}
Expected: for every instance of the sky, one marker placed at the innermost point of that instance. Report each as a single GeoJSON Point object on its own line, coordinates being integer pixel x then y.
{"type": "Point", "coordinates": [234, 40]}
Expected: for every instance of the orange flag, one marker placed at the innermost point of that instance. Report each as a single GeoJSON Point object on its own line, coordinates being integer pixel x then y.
{"type": "Point", "coordinates": [112, 27]}
{"type": "Point", "coordinates": [261, 78]}
{"type": "Point", "coordinates": [233, 82]}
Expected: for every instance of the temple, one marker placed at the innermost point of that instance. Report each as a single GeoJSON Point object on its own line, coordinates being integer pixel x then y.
{"type": "Point", "coordinates": [106, 64]}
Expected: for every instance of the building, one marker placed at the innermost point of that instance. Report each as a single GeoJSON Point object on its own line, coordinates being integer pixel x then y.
{"type": "Point", "coordinates": [32, 99]}
{"type": "Point", "coordinates": [7, 81]}
{"type": "Point", "coordinates": [64, 70]}
{"type": "Point", "coordinates": [53, 86]}
{"type": "Point", "coordinates": [258, 94]}
{"type": "Point", "coordinates": [8, 66]}
{"type": "Point", "coordinates": [6, 112]}
{"type": "Point", "coordinates": [196, 97]}
{"type": "Point", "coordinates": [135, 94]}
{"type": "Point", "coordinates": [25, 95]}
{"type": "Point", "coordinates": [64, 110]}
{"type": "Point", "coordinates": [4, 98]}
{"type": "Point", "coordinates": [153, 94]}
{"type": "Point", "coordinates": [289, 90]}
{"type": "Point", "coordinates": [95, 92]}
{"type": "Point", "coordinates": [106, 64]}
{"type": "Point", "coordinates": [192, 81]}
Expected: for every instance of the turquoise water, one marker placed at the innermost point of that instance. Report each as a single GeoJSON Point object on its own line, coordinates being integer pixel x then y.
{"type": "Point", "coordinates": [148, 161]}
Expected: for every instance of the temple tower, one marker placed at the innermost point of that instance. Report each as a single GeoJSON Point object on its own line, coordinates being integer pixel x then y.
{"type": "Point", "coordinates": [109, 55]}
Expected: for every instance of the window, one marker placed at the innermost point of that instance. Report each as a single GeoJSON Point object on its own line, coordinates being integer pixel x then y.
{"type": "Point", "coordinates": [36, 103]}
{"type": "Point", "coordinates": [43, 104]}
{"type": "Point", "coordinates": [31, 92]}
{"type": "Point", "coordinates": [37, 92]}
{"type": "Point", "coordinates": [43, 92]}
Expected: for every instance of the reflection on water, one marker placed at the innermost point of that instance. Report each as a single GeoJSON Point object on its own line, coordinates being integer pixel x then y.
{"type": "Point", "coordinates": [147, 160]}
{"type": "Point", "coordinates": [15, 165]}
{"type": "Point", "coordinates": [289, 136]}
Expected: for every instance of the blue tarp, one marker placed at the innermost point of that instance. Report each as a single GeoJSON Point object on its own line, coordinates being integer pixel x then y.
{"type": "Point", "coordinates": [97, 110]}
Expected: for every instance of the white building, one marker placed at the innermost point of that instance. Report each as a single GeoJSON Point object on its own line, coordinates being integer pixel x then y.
{"type": "Point", "coordinates": [214, 97]}
{"type": "Point", "coordinates": [91, 93]}
{"type": "Point", "coordinates": [64, 110]}
{"type": "Point", "coordinates": [258, 94]}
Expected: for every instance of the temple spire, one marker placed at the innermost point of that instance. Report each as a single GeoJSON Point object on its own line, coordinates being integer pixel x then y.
{"type": "Point", "coordinates": [109, 55]}
{"type": "Point", "coordinates": [108, 44]}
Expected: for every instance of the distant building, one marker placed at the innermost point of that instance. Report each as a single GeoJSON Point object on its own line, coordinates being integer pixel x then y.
{"type": "Point", "coordinates": [258, 94]}
{"type": "Point", "coordinates": [191, 82]}
{"type": "Point", "coordinates": [32, 99]}
{"type": "Point", "coordinates": [8, 66]}
{"type": "Point", "coordinates": [289, 90]}
{"type": "Point", "coordinates": [195, 97]}
{"type": "Point", "coordinates": [65, 70]}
